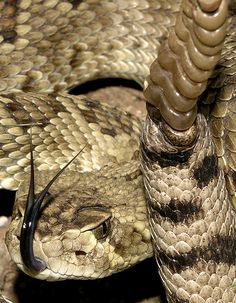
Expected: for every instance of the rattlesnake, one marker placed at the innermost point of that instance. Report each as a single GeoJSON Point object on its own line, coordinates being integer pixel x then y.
{"type": "Point", "coordinates": [118, 183]}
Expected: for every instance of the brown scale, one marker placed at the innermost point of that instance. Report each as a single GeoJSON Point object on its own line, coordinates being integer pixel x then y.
{"type": "Point", "coordinates": [8, 11]}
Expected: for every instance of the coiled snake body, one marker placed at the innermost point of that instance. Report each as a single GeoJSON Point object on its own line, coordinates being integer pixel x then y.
{"type": "Point", "coordinates": [95, 225]}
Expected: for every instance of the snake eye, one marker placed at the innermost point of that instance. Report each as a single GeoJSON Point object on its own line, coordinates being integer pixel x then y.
{"type": "Point", "coordinates": [102, 230]}
{"type": "Point", "coordinates": [96, 219]}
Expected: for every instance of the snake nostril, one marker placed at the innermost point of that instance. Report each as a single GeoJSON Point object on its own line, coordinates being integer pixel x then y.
{"type": "Point", "coordinates": [80, 253]}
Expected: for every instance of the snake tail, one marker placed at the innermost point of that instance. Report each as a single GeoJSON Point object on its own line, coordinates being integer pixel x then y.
{"type": "Point", "coordinates": [186, 60]}
{"type": "Point", "coordinates": [191, 219]}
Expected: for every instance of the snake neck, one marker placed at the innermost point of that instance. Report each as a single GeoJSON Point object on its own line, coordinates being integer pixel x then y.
{"type": "Point", "coordinates": [192, 222]}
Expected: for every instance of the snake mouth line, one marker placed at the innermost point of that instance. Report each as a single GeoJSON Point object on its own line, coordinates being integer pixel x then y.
{"type": "Point", "coordinates": [33, 205]}
{"type": "Point", "coordinates": [51, 274]}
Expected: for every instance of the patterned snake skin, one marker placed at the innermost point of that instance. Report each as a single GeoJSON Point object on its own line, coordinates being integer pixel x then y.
{"type": "Point", "coordinates": [45, 49]}
{"type": "Point", "coordinates": [191, 218]}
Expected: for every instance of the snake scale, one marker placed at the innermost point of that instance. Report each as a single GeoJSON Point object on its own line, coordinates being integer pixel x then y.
{"type": "Point", "coordinates": [94, 224]}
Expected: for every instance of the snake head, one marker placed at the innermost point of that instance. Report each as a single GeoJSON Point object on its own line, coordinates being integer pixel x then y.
{"type": "Point", "coordinates": [91, 225]}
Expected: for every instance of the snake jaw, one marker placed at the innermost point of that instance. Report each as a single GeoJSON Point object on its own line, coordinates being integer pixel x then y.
{"type": "Point", "coordinates": [30, 261]}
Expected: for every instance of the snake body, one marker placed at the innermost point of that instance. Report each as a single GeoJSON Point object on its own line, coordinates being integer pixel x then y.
{"type": "Point", "coordinates": [191, 220]}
